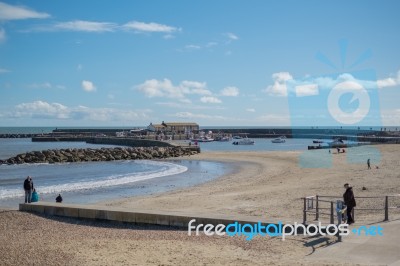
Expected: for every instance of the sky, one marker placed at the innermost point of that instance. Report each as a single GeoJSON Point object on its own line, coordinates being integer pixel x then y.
{"type": "Point", "coordinates": [217, 63]}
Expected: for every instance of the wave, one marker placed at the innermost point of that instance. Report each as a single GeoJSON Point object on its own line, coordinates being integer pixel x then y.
{"type": "Point", "coordinates": [167, 169]}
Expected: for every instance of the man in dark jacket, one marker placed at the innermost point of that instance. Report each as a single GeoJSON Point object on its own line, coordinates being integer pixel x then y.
{"type": "Point", "coordinates": [28, 187]}
{"type": "Point", "coordinates": [348, 198]}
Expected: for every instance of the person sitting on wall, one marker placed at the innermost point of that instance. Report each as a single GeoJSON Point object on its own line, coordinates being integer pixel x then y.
{"type": "Point", "coordinates": [35, 196]}
{"type": "Point", "coordinates": [59, 199]}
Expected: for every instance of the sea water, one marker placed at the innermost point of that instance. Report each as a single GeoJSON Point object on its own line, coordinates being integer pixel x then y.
{"type": "Point", "coordinates": [91, 182]}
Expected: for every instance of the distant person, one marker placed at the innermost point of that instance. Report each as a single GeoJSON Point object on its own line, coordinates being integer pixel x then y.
{"type": "Point", "coordinates": [59, 199]}
{"type": "Point", "coordinates": [349, 200]}
{"type": "Point", "coordinates": [369, 163]}
{"type": "Point", "coordinates": [329, 151]}
{"type": "Point", "coordinates": [28, 187]}
{"type": "Point", "coordinates": [35, 196]}
{"type": "Point", "coordinates": [338, 150]}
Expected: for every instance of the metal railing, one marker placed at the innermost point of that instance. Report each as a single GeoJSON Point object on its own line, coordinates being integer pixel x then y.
{"type": "Point", "coordinates": [312, 205]}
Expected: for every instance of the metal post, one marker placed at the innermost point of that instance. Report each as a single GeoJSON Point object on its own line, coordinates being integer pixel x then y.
{"type": "Point", "coordinates": [332, 219]}
{"type": "Point", "coordinates": [316, 208]}
{"type": "Point", "coordinates": [386, 208]}
{"type": "Point", "coordinates": [305, 211]}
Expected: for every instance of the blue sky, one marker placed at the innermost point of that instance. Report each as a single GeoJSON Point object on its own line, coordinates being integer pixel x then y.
{"type": "Point", "coordinates": [218, 63]}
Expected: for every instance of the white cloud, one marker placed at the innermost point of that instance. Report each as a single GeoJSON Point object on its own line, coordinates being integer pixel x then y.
{"type": "Point", "coordinates": [192, 47]}
{"type": "Point", "coordinates": [161, 88]}
{"type": "Point", "coordinates": [3, 36]}
{"type": "Point", "coordinates": [3, 70]}
{"type": "Point", "coordinates": [88, 86]}
{"type": "Point", "coordinates": [211, 44]}
{"type": "Point", "coordinates": [230, 91]}
{"type": "Point", "coordinates": [165, 88]}
{"type": "Point", "coordinates": [44, 110]}
{"type": "Point", "coordinates": [210, 99]}
{"type": "Point", "coordinates": [40, 109]}
{"type": "Point", "coordinates": [279, 86]}
{"type": "Point", "coordinates": [306, 90]}
{"type": "Point", "coordinates": [311, 85]}
{"type": "Point", "coordinates": [195, 87]}
{"type": "Point", "coordinates": [168, 36]}
{"type": "Point", "coordinates": [188, 115]}
{"type": "Point", "coordinates": [252, 110]}
{"type": "Point", "coordinates": [45, 85]}
{"type": "Point", "coordinates": [231, 36]}
{"type": "Point", "coordinates": [87, 26]}
{"type": "Point", "coordinates": [149, 27]}
{"type": "Point", "coordinates": [190, 106]}
{"type": "Point", "coordinates": [389, 82]}
{"type": "Point", "coordinates": [10, 12]}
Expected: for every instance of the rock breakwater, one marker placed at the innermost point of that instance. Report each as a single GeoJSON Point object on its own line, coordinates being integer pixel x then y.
{"type": "Point", "coordinates": [103, 154]}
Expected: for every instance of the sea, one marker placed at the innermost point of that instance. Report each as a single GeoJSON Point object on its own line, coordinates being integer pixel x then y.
{"type": "Point", "coordinates": [93, 182]}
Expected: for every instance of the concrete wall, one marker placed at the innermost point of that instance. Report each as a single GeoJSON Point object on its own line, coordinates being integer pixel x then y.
{"type": "Point", "coordinates": [130, 216]}
{"type": "Point", "coordinates": [129, 142]}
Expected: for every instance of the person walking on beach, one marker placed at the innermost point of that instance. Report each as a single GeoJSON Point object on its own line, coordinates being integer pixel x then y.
{"type": "Point", "coordinates": [28, 187]}
{"type": "Point", "coordinates": [349, 200]}
{"type": "Point", "coordinates": [369, 163]}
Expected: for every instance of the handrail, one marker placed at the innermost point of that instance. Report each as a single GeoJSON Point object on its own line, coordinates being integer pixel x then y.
{"type": "Point", "coordinates": [309, 206]}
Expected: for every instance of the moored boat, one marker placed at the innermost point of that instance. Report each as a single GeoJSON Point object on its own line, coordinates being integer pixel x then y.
{"type": "Point", "coordinates": [244, 141]}
{"type": "Point", "coordinates": [279, 140]}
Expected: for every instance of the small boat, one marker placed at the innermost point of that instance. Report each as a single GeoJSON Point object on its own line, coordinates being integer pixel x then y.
{"type": "Point", "coordinates": [279, 140]}
{"type": "Point", "coordinates": [202, 139]}
{"type": "Point", "coordinates": [237, 137]}
{"type": "Point", "coordinates": [244, 141]}
{"type": "Point", "coordinates": [224, 139]}
{"type": "Point", "coordinates": [317, 141]}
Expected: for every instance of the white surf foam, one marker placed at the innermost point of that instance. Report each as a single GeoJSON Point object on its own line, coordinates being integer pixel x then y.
{"type": "Point", "coordinates": [167, 169]}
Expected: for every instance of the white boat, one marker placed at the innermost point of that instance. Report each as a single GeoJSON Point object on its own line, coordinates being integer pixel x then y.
{"type": "Point", "coordinates": [237, 137]}
{"type": "Point", "coordinates": [279, 140]}
{"type": "Point", "coordinates": [224, 139]}
{"type": "Point", "coordinates": [244, 141]}
{"type": "Point", "coordinates": [203, 139]}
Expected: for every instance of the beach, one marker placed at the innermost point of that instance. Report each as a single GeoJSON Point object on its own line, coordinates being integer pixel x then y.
{"type": "Point", "coordinates": [270, 185]}
{"type": "Point", "coordinates": [267, 185]}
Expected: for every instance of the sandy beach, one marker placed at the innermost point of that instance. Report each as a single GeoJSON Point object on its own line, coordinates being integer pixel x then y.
{"type": "Point", "coordinates": [268, 185]}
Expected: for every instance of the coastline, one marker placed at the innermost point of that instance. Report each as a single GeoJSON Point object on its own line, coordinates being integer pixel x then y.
{"type": "Point", "coordinates": [268, 185]}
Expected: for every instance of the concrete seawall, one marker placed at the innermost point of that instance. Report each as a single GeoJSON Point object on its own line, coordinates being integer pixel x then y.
{"type": "Point", "coordinates": [107, 140]}
{"type": "Point", "coordinates": [167, 218]}
{"type": "Point", "coordinates": [129, 142]}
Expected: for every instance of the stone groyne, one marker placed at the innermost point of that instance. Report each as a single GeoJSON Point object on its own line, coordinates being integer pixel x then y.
{"type": "Point", "coordinates": [103, 154]}
{"type": "Point", "coordinates": [17, 136]}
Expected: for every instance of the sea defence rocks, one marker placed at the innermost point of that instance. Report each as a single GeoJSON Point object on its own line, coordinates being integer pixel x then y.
{"type": "Point", "coordinates": [103, 154]}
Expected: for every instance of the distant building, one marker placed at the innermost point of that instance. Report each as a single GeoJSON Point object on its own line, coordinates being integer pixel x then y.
{"type": "Point", "coordinates": [174, 128]}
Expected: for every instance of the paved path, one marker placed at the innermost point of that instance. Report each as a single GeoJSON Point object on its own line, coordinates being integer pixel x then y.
{"type": "Point", "coordinates": [370, 250]}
